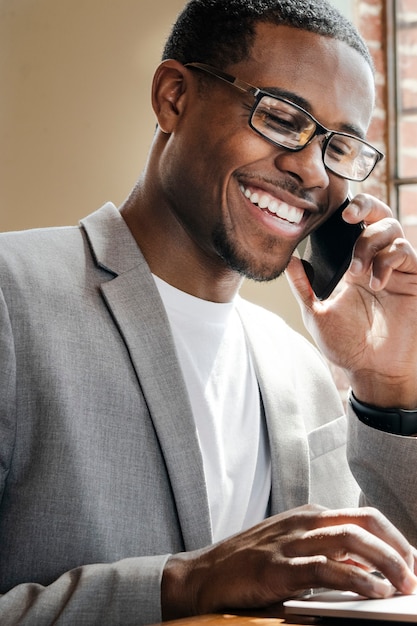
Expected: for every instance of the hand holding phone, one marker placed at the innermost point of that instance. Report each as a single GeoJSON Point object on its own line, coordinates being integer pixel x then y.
{"type": "Point", "coordinates": [328, 252]}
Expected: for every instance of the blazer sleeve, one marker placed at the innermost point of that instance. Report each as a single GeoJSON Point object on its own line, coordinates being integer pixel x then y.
{"type": "Point", "coordinates": [7, 392]}
{"type": "Point", "coordinates": [384, 467]}
{"type": "Point", "coordinates": [126, 592]}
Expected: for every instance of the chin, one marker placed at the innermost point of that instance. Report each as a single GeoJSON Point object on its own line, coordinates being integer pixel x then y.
{"type": "Point", "coordinates": [238, 259]}
{"type": "Point", "coordinates": [261, 276]}
{"type": "Point", "coordinates": [252, 268]}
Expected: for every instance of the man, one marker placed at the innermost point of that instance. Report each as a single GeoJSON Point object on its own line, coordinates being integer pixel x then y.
{"type": "Point", "coordinates": [168, 449]}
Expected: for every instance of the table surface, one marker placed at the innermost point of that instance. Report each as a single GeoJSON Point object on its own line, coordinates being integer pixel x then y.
{"type": "Point", "coordinates": [248, 619]}
{"type": "Point", "coordinates": [237, 620]}
{"type": "Point", "coordinates": [274, 617]}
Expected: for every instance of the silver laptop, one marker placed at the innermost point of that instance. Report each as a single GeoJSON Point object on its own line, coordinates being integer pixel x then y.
{"type": "Point", "coordinates": [346, 604]}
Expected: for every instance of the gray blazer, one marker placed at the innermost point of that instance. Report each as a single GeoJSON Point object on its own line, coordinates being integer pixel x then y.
{"type": "Point", "coordinates": [101, 475]}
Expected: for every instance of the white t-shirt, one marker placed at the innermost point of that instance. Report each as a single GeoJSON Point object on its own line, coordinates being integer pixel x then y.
{"type": "Point", "coordinates": [224, 396]}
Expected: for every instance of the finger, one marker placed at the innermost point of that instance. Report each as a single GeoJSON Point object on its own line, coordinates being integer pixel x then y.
{"type": "Point", "coordinates": [366, 208]}
{"type": "Point", "coordinates": [373, 239]}
{"type": "Point", "coordinates": [373, 521]}
{"type": "Point", "coordinates": [351, 543]}
{"type": "Point", "coordinates": [299, 283]}
{"type": "Point", "coordinates": [319, 571]}
{"type": "Point", "coordinates": [379, 527]}
{"type": "Point", "coordinates": [399, 258]}
{"type": "Point", "coordinates": [366, 566]}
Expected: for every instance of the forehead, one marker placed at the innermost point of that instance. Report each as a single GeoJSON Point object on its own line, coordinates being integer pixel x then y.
{"type": "Point", "coordinates": [331, 77]}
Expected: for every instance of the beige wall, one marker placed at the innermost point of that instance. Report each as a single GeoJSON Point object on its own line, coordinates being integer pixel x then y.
{"type": "Point", "coordinates": [75, 117]}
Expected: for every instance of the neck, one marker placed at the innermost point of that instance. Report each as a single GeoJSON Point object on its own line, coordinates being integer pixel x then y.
{"type": "Point", "coordinates": [172, 254]}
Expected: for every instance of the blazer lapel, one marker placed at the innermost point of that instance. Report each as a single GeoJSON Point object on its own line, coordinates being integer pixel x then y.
{"type": "Point", "coordinates": [272, 358]}
{"type": "Point", "coordinates": [135, 304]}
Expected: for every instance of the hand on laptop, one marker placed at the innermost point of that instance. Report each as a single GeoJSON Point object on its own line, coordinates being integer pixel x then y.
{"type": "Point", "coordinates": [307, 547]}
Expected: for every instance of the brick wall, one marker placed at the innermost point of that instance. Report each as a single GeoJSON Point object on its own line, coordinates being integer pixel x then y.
{"type": "Point", "coordinates": [407, 128]}
{"type": "Point", "coordinates": [370, 19]}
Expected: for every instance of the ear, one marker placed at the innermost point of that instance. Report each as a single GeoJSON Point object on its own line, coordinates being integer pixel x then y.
{"type": "Point", "coordinates": [169, 89]}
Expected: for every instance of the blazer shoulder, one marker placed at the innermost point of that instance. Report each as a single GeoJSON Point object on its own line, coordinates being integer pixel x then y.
{"type": "Point", "coordinates": [27, 254]}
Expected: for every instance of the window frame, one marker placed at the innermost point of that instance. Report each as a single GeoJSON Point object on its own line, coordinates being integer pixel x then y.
{"type": "Point", "coordinates": [394, 180]}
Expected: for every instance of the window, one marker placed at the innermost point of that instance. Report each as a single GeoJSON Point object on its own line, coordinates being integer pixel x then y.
{"type": "Point", "coordinates": [401, 23]}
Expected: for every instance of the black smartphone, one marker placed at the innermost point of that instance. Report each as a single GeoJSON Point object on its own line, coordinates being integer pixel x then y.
{"type": "Point", "coordinates": [326, 253]}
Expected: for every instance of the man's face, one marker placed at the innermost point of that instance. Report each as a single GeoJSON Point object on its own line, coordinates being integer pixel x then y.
{"type": "Point", "coordinates": [245, 202]}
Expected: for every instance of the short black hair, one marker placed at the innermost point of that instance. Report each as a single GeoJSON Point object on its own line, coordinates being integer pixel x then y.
{"type": "Point", "coordinates": [221, 32]}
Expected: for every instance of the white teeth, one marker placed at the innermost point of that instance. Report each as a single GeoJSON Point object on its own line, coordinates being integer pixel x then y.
{"type": "Point", "coordinates": [264, 201]}
{"type": "Point", "coordinates": [273, 206]}
{"type": "Point", "coordinates": [284, 212]}
{"type": "Point", "coordinates": [281, 209]}
{"type": "Point", "coordinates": [293, 214]}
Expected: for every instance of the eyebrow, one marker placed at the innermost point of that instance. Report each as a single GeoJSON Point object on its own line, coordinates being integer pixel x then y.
{"type": "Point", "coordinates": [352, 129]}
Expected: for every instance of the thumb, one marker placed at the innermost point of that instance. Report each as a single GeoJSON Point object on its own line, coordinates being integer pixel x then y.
{"type": "Point", "coordinates": [299, 283]}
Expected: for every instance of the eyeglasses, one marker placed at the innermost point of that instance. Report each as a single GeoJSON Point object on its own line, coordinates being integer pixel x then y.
{"type": "Point", "coordinates": [289, 126]}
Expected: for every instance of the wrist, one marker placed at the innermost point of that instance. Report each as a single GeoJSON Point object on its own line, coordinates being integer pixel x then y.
{"type": "Point", "coordinates": [183, 586]}
{"type": "Point", "coordinates": [175, 601]}
{"type": "Point", "coordinates": [396, 421]}
{"type": "Point", "coordinates": [385, 392]}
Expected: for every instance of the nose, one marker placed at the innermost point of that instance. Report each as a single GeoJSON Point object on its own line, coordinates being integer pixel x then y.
{"type": "Point", "coordinates": [305, 164]}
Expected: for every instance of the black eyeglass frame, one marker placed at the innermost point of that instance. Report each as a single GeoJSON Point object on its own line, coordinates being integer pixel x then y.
{"type": "Point", "coordinates": [258, 94]}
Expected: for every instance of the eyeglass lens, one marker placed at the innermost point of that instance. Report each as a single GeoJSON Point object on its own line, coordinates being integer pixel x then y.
{"type": "Point", "coordinates": [288, 126]}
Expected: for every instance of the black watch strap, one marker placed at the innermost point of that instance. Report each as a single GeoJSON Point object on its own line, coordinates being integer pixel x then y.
{"type": "Point", "coordinates": [395, 421]}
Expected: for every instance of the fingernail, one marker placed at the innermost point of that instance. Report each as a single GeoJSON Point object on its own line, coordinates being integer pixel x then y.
{"type": "Point", "coordinates": [355, 266]}
{"type": "Point", "coordinates": [410, 585]}
{"type": "Point", "coordinates": [374, 283]}
{"type": "Point", "coordinates": [354, 209]}
{"type": "Point", "coordinates": [384, 588]}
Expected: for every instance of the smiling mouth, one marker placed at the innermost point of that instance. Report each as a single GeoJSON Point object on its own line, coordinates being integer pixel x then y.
{"type": "Point", "coordinates": [266, 202]}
